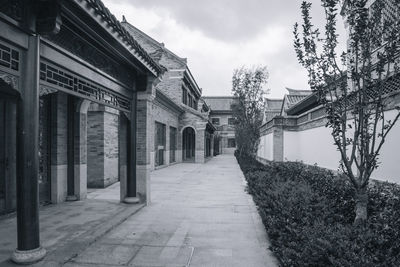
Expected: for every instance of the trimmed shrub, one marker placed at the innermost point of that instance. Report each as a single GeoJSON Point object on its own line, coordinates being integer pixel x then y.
{"type": "Point", "coordinates": [308, 213]}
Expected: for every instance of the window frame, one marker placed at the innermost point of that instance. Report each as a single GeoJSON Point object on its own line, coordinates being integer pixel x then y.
{"type": "Point", "coordinates": [216, 118]}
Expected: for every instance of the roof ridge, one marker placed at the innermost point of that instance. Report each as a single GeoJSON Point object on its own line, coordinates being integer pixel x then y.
{"type": "Point", "coordinates": [220, 96]}
{"type": "Point", "coordinates": [154, 41]}
{"type": "Point", "coordinates": [125, 36]}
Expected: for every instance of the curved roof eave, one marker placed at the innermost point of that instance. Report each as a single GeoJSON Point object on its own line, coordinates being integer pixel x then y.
{"type": "Point", "coordinates": [97, 10]}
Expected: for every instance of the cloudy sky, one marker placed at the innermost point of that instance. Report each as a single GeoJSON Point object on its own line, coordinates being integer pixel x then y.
{"type": "Point", "coordinates": [217, 36]}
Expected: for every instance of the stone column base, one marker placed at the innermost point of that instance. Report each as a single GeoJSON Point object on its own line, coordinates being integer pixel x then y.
{"type": "Point", "coordinates": [71, 198]}
{"type": "Point", "coordinates": [28, 256]}
{"type": "Point", "coordinates": [144, 183]}
{"type": "Point", "coordinates": [131, 200]}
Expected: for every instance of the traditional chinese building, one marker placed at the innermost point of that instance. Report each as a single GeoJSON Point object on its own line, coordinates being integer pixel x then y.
{"type": "Point", "coordinates": [299, 132]}
{"type": "Point", "coordinates": [221, 116]}
{"type": "Point", "coordinates": [70, 74]}
{"type": "Point", "coordinates": [176, 128]}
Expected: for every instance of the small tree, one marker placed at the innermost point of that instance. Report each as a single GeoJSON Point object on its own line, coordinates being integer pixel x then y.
{"type": "Point", "coordinates": [247, 86]}
{"type": "Point", "coordinates": [353, 87]}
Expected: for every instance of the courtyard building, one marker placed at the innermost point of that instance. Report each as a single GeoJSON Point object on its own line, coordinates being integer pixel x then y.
{"type": "Point", "coordinates": [299, 132]}
{"type": "Point", "coordinates": [221, 116]}
{"type": "Point", "coordinates": [174, 125]}
{"type": "Point", "coordinates": [69, 79]}
{"type": "Point", "coordinates": [272, 108]}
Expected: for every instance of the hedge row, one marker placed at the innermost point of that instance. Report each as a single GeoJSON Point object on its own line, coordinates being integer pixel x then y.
{"type": "Point", "coordinates": [308, 213]}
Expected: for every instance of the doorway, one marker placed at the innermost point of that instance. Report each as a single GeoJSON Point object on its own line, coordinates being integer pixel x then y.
{"type": "Point", "coordinates": [160, 143]}
{"type": "Point", "coordinates": [8, 147]}
{"type": "Point", "coordinates": [189, 144]}
{"type": "Point", "coordinates": [44, 149]}
{"type": "Point", "coordinates": [3, 159]}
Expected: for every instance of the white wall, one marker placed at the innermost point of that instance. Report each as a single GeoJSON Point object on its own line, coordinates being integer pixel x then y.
{"type": "Point", "coordinates": [389, 169]}
{"type": "Point", "coordinates": [312, 146]}
{"type": "Point", "coordinates": [315, 146]}
{"type": "Point", "coordinates": [265, 147]}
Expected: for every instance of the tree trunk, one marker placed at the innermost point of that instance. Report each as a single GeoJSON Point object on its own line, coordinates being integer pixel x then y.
{"type": "Point", "coordinates": [361, 206]}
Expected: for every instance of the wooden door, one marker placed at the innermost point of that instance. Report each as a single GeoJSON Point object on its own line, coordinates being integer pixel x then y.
{"type": "Point", "coordinates": [3, 159]}
{"type": "Point", "coordinates": [44, 150]}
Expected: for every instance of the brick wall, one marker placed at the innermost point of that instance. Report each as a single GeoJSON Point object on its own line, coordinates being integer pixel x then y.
{"type": "Point", "coordinates": [145, 132]}
{"type": "Point", "coordinates": [102, 142]}
{"type": "Point", "coordinates": [164, 115]}
{"type": "Point", "coordinates": [59, 129]}
{"type": "Point", "coordinates": [172, 62]}
{"type": "Point", "coordinates": [58, 147]}
{"type": "Point", "coordinates": [95, 151]}
{"type": "Point", "coordinates": [225, 130]}
{"type": "Point", "coordinates": [171, 86]}
{"type": "Point", "coordinates": [111, 121]}
{"type": "Point", "coordinates": [199, 124]}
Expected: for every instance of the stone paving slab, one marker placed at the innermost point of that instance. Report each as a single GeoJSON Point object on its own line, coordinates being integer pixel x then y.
{"type": "Point", "coordinates": [200, 216]}
{"type": "Point", "coordinates": [68, 228]}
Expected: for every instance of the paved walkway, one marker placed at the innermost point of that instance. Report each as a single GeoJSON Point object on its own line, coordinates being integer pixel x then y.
{"type": "Point", "coordinates": [68, 228]}
{"type": "Point", "coordinates": [199, 216]}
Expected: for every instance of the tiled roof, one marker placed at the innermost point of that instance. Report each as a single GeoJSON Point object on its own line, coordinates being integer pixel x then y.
{"type": "Point", "coordinates": [298, 91]}
{"type": "Point", "coordinates": [219, 102]}
{"type": "Point", "coordinates": [123, 34]}
{"type": "Point", "coordinates": [152, 46]}
{"type": "Point", "coordinates": [157, 50]}
{"type": "Point", "coordinates": [294, 99]}
{"type": "Point", "coordinates": [274, 103]}
{"type": "Point", "coordinates": [270, 114]}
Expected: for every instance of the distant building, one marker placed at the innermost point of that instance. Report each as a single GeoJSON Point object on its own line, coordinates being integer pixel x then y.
{"type": "Point", "coordinates": [293, 97]}
{"type": "Point", "coordinates": [221, 116]}
{"type": "Point", "coordinates": [273, 108]}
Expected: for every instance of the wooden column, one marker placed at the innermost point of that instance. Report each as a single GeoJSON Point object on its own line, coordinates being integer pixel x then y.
{"type": "Point", "coordinates": [131, 195]}
{"type": "Point", "coordinates": [29, 249]}
{"type": "Point", "coordinates": [71, 149]}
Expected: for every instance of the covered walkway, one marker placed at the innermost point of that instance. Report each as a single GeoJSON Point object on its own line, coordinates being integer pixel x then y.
{"type": "Point", "coordinates": [200, 216]}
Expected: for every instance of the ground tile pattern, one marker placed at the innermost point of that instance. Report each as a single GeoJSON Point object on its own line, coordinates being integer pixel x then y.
{"type": "Point", "coordinates": [200, 216]}
{"type": "Point", "coordinates": [68, 227]}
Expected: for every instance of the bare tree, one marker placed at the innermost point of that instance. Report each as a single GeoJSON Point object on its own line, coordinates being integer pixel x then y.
{"type": "Point", "coordinates": [354, 86]}
{"type": "Point", "coordinates": [247, 86]}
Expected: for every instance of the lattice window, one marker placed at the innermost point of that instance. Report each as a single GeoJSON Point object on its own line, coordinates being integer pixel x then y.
{"type": "Point", "coordinates": [392, 85]}
{"type": "Point", "coordinates": [77, 84]}
{"type": "Point", "coordinates": [390, 15]}
{"type": "Point", "coordinates": [9, 57]}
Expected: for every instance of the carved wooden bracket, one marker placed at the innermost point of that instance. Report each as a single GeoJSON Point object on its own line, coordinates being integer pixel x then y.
{"type": "Point", "coordinates": [9, 79]}
{"type": "Point", "coordinates": [49, 17]}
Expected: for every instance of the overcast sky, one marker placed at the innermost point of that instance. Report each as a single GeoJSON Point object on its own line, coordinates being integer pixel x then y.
{"type": "Point", "coordinates": [217, 36]}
